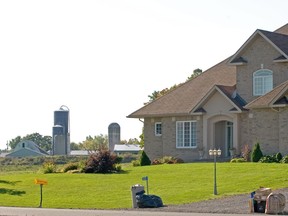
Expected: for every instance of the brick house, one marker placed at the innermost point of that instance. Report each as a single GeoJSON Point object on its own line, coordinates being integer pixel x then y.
{"type": "Point", "coordinates": [241, 100]}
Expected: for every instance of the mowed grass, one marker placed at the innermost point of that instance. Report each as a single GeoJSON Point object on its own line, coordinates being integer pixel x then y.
{"type": "Point", "coordinates": [174, 183]}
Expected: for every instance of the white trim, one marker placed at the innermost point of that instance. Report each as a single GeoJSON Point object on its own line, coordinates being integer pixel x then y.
{"type": "Point", "coordinates": [207, 96]}
{"type": "Point", "coordinates": [192, 135]}
{"type": "Point", "coordinates": [262, 79]}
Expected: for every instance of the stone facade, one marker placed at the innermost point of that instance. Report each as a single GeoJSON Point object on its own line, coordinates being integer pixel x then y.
{"type": "Point", "coordinates": [268, 127]}
{"type": "Point", "coordinates": [165, 145]}
{"type": "Point", "coordinates": [259, 54]}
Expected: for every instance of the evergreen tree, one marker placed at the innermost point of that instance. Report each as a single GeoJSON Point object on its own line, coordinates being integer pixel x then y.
{"type": "Point", "coordinates": [256, 154]}
{"type": "Point", "coordinates": [144, 159]}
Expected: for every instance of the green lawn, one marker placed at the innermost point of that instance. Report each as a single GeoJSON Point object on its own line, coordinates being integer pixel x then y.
{"type": "Point", "coordinates": [175, 184]}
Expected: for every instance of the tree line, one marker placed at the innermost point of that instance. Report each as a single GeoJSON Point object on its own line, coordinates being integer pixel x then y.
{"type": "Point", "coordinates": [92, 143]}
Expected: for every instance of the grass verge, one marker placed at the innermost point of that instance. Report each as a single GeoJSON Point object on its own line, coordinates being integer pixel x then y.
{"type": "Point", "coordinates": [174, 183]}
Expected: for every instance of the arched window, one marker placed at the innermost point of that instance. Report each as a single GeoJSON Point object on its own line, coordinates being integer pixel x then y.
{"type": "Point", "coordinates": [262, 82]}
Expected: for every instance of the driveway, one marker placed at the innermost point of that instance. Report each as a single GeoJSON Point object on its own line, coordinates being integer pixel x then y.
{"type": "Point", "coordinates": [11, 211]}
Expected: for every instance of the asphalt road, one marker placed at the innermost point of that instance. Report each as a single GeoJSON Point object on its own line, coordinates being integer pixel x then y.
{"type": "Point", "coordinates": [11, 211]}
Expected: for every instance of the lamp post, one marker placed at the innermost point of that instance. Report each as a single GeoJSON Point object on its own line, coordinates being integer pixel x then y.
{"type": "Point", "coordinates": [215, 153]}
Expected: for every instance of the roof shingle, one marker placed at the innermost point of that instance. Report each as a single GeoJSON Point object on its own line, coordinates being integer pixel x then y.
{"type": "Point", "coordinates": [184, 98]}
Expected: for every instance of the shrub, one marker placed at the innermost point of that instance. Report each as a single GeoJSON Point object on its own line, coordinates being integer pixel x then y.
{"type": "Point", "coordinates": [271, 158]}
{"type": "Point", "coordinates": [70, 166]}
{"type": "Point", "coordinates": [128, 157]}
{"type": "Point", "coordinates": [103, 161]}
{"type": "Point", "coordinates": [246, 152]}
{"type": "Point", "coordinates": [268, 159]}
{"type": "Point", "coordinates": [178, 160]}
{"type": "Point", "coordinates": [144, 159]}
{"type": "Point", "coordinates": [167, 160]}
{"type": "Point", "coordinates": [135, 163]}
{"type": "Point", "coordinates": [49, 167]}
{"type": "Point", "coordinates": [279, 157]}
{"type": "Point", "coordinates": [256, 153]}
{"type": "Point", "coordinates": [156, 162]}
{"type": "Point", "coordinates": [284, 159]}
{"type": "Point", "coordinates": [238, 160]}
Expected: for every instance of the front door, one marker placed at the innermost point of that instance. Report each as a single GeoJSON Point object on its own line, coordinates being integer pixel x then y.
{"type": "Point", "coordinates": [229, 137]}
{"type": "Point", "coordinates": [223, 137]}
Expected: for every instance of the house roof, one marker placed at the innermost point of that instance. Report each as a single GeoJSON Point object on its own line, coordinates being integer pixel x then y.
{"type": "Point", "coordinates": [182, 100]}
{"type": "Point", "coordinates": [283, 30]}
{"type": "Point", "coordinates": [273, 98]}
{"type": "Point", "coordinates": [27, 148]}
{"type": "Point", "coordinates": [187, 97]}
{"type": "Point", "coordinates": [277, 40]}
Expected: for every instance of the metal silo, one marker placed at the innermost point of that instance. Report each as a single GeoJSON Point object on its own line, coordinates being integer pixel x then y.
{"type": "Point", "coordinates": [61, 131]}
{"type": "Point", "coordinates": [113, 135]}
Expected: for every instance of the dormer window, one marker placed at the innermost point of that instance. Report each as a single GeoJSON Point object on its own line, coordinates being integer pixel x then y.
{"type": "Point", "coordinates": [262, 82]}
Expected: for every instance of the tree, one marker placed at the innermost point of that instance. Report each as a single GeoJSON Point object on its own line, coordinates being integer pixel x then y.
{"type": "Point", "coordinates": [93, 144]}
{"type": "Point", "coordinates": [144, 159]}
{"type": "Point", "coordinates": [256, 154]}
{"type": "Point", "coordinates": [44, 142]}
{"type": "Point", "coordinates": [142, 139]}
{"type": "Point", "coordinates": [157, 94]}
{"type": "Point", "coordinates": [74, 146]}
{"type": "Point", "coordinates": [130, 141]}
{"type": "Point", "coordinates": [12, 143]}
{"type": "Point", "coordinates": [195, 73]}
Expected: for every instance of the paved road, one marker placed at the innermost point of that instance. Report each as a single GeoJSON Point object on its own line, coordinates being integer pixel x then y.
{"type": "Point", "coordinates": [10, 211]}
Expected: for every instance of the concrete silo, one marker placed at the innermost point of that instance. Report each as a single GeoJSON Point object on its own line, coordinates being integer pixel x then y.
{"type": "Point", "coordinates": [113, 135]}
{"type": "Point", "coordinates": [61, 132]}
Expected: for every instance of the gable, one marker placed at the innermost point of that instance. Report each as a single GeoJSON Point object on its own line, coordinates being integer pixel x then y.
{"type": "Point", "coordinates": [217, 104]}
{"type": "Point", "coordinates": [278, 97]}
{"type": "Point", "coordinates": [269, 41]}
{"type": "Point", "coordinates": [220, 99]}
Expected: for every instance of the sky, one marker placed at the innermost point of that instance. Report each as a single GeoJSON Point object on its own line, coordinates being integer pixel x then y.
{"type": "Point", "coordinates": [102, 58]}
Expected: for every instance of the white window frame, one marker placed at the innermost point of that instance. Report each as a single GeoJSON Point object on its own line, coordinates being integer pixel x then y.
{"type": "Point", "coordinates": [262, 82]}
{"type": "Point", "coordinates": [158, 128]}
{"type": "Point", "coordinates": [186, 134]}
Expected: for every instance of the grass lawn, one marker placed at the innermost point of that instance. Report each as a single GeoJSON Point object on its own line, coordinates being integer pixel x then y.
{"type": "Point", "coordinates": [174, 183]}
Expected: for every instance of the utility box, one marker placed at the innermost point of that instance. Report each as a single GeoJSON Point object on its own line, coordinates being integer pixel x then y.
{"type": "Point", "coordinates": [134, 190]}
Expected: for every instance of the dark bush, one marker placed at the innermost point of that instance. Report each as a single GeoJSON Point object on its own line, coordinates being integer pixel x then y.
{"type": "Point", "coordinates": [271, 158]}
{"type": "Point", "coordinates": [278, 157]}
{"type": "Point", "coordinates": [144, 159]}
{"type": "Point", "coordinates": [103, 161]}
{"type": "Point", "coordinates": [256, 154]}
{"type": "Point", "coordinates": [268, 159]}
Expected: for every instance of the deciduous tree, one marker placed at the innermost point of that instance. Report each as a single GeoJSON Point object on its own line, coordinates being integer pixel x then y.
{"type": "Point", "coordinates": [44, 142]}
{"type": "Point", "coordinates": [93, 144]}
